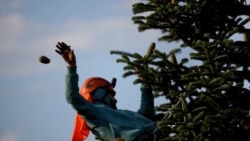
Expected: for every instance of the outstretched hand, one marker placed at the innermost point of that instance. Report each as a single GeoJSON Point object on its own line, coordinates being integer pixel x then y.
{"type": "Point", "coordinates": [145, 78]}
{"type": "Point", "coordinates": [66, 53]}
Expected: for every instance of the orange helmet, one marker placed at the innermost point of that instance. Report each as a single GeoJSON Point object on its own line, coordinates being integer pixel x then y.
{"type": "Point", "coordinates": [81, 130]}
{"type": "Point", "coordinates": [93, 83]}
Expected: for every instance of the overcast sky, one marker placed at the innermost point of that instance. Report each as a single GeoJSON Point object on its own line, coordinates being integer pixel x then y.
{"type": "Point", "coordinates": [32, 102]}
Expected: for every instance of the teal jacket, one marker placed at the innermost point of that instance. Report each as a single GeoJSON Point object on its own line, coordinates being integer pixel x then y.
{"type": "Point", "coordinates": [108, 123]}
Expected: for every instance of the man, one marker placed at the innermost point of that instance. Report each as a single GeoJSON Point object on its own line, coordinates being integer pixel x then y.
{"type": "Point", "coordinates": [95, 105]}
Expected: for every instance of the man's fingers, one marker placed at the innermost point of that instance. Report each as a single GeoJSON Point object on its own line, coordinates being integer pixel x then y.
{"type": "Point", "coordinates": [59, 47]}
{"type": "Point", "coordinates": [62, 46]}
{"type": "Point", "coordinates": [64, 50]}
{"type": "Point", "coordinates": [59, 52]}
{"type": "Point", "coordinates": [65, 45]}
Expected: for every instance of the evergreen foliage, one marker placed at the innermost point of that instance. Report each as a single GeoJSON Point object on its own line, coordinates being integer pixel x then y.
{"type": "Point", "coordinates": [205, 102]}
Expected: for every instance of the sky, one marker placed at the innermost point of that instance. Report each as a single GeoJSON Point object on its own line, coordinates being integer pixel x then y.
{"type": "Point", "coordinates": [32, 101]}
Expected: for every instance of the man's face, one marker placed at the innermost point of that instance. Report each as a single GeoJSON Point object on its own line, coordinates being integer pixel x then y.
{"type": "Point", "coordinates": [103, 96]}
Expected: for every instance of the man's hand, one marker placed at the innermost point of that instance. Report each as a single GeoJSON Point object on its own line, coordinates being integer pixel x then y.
{"type": "Point", "coordinates": [66, 53]}
{"type": "Point", "coordinates": [144, 78]}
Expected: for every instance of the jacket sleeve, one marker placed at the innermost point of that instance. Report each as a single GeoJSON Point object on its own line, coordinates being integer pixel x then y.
{"type": "Point", "coordinates": [147, 101]}
{"type": "Point", "coordinates": [82, 106]}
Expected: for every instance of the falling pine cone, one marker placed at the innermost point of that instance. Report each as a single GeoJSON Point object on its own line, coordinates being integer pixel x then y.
{"type": "Point", "coordinates": [44, 59]}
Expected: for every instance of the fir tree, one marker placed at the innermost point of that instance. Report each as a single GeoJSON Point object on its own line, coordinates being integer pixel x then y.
{"type": "Point", "coordinates": [209, 100]}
